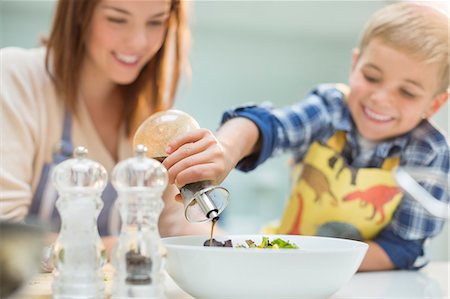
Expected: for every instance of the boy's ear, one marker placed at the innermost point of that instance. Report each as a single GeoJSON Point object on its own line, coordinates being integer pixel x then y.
{"type": "Point", "coordinates": [437, 103]}
{"type": "Point", "coordinates": [355, 57]}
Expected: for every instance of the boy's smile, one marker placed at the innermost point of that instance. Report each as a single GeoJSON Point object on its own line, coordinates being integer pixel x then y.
{"type": "Point", "coordinates": [377, 117]}
{"type": "Point", "coordinates": [391, 91]}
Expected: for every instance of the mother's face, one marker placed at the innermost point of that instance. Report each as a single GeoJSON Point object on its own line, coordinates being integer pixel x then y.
{"type": "Point", "coordinates": [123, 36]}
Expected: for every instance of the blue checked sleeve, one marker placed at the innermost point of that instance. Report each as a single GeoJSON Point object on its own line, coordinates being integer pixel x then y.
{"type": "Point", "coordinates": [262, 118]}
{"type": "Point", "coordinates": [403, 253]}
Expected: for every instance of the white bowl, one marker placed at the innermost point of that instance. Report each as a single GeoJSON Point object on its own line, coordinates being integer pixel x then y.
{"type": "Point", "coordinates": [320, 267]}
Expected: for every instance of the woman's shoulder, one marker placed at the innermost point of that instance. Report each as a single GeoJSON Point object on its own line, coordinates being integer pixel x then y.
{"type": "Point", "coordinates": [23, 52]}
{"type": "Point", "coordinates": [16, 59]}
{"type": "Point", "coordinates": [27, 86]}
{"type": "Point", "coordinates": [24, 70]}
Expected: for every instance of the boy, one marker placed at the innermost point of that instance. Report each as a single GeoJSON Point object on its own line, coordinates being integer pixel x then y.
{"type": "Point", "coordinates": [346, 141]}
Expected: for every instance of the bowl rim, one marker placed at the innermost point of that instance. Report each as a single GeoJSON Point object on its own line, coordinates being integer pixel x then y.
{"type": "Point", "coordinates": [359, 245]}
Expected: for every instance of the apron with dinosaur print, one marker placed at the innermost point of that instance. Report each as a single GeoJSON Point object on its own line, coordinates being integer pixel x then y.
{"type": "Point", "coordinates": [331, 198]}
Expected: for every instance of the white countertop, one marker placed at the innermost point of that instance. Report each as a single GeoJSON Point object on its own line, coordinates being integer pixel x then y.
{"type": "Point", "coordinates": [429, 282]}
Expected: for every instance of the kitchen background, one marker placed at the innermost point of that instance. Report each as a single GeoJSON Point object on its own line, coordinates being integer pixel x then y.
{"type": "Point", "coordinates": [248, 52]}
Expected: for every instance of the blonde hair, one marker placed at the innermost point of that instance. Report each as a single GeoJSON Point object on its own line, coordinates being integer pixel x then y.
{"type": "Point", "coordinates": [418, 29]}
{"type": "Point", "coordinates": [156, 85]}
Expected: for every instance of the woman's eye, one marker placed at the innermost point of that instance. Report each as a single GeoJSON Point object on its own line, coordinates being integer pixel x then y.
{"type": "Point", "coordinates": [116, 20]}
{"type": "Point", "coordinates": [156, 23]}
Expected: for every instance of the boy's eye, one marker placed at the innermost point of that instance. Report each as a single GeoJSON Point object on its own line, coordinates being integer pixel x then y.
{"type": "Point", "coordinates": [371, 79]}
{"type": "Point", "coordinates": [117, 20]}
{"type": "Point", "coordinates": [407, 93]}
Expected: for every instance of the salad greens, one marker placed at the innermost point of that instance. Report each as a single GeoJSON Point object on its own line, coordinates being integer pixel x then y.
{"type": "Point", "coordinates": [265, 243]}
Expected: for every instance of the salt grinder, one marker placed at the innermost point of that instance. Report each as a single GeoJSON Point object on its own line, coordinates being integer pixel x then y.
{"type": "Point", "coordinates": [138, 257]}
{"type": "Point", "coordinates": [202, 201]}
{"type": "Point", "coordinates": [79, 253]}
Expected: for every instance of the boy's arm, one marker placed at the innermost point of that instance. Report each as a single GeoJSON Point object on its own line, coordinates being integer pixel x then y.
{"type": "Point", "coordinates": [389, 251]}
{"type": "Point", "coordinates": [376, 259]}
{"type": "Point", "coordinates": [259, 133]}
{"type": "Point", "coordinates": [292, 128]}
{"type": "Point", "coordinates": [240, 138]}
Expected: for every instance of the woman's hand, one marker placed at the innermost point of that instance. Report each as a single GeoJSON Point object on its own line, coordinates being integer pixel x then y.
{"type": "Point", "coordinates": [197, 156]}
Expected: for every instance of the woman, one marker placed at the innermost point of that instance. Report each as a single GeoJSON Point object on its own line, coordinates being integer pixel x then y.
{"type": "Point", "coordinates": [107, 66]}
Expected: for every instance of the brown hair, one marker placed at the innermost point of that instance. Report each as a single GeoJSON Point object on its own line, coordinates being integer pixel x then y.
{"type": "Point", "coordinates": [418, 29]}
{"type": "Point", "coordinates": [156, 85]}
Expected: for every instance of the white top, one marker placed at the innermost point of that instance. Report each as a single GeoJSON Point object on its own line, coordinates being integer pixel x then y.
{"type": "Point", "coordinates": [429, 282]}
{"type": "Point", "coordinates": [31, 125]}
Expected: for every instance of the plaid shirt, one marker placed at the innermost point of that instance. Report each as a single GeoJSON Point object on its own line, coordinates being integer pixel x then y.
{"type": "Point", "coordinates": [317, 118]}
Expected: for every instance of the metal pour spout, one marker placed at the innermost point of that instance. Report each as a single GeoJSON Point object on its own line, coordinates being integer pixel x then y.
{"type": "Point", "coordinates": [203, 201]}
{"type": "Point", "coordinates": [208, 207]}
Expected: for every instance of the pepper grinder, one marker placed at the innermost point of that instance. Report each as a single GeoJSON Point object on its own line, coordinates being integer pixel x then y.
{"type": "Point", "coordinates": [79, 254]}
{"type": "Point", "coordinates": [202, 201]}
{"type": "Point", "coordinates": [138, 257]}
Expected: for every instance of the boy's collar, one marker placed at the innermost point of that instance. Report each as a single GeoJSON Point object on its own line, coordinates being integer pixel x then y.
{"type": "Point", "coordinates": [392, 146]}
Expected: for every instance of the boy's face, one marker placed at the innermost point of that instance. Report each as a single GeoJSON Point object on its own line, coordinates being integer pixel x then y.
{"type": "Point", "coordinates": [391, 92]}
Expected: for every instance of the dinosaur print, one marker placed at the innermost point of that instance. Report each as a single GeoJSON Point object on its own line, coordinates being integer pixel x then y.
{"type": "Point", "coordinates": [354, 171]}
{"type": "Point", "coordinates": [295, 230]}
{"type": "Point", "coordinates": [377, 196]}
{"type": "Point", "coordinates": [318, 181]}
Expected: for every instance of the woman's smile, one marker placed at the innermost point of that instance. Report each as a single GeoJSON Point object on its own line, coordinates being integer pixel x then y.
{"type": "Point", "coordinates": [126, 60]}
